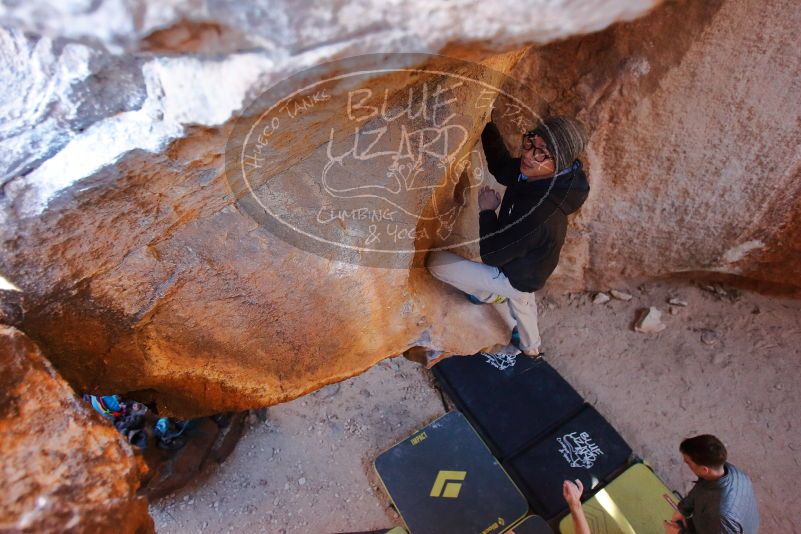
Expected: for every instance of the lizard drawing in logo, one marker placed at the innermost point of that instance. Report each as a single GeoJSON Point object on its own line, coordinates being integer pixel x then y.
{"type": "Point", "coordinates": [578, 449]}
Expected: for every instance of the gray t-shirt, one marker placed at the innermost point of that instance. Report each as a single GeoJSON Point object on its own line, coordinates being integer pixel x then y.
{"type": "Point", "coordinates": [723, 506]}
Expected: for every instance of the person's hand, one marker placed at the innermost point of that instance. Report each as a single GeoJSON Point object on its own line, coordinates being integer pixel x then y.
{"type": "Point", "coordinates": [488, 199]}
{"type": "Point", "coordinates": [675, 524]}
{"type": "Point", "coordinates": [572, 492]}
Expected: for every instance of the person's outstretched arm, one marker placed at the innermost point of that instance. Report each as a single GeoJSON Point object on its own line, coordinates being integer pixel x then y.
{"type": "Point", "coordinates": [500, 163]}
{"type": "Point", "coordinates": [572, 494]}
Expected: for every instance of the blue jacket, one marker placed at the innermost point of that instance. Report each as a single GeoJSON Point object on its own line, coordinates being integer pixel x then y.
{"type": "Point", "coordinates": [723, 506]}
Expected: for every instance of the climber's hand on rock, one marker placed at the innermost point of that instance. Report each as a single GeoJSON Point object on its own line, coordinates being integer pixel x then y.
{"type": "Point", "coordinates": [495, 113]}
{"type": "Point", "coordinates": [488, 199]}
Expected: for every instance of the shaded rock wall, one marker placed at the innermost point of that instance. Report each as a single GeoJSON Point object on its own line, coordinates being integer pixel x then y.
{"type": "Point", "coordinates": [62, 468]}
{"type": "Point", "coordinates": [694, 156]}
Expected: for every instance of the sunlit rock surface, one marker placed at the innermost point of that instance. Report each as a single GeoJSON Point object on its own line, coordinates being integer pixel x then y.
{"type": "Point", "coordinates": [147, 275]}
{"type": "Point", "coordinates": [63, 468]}
{"type": "Point", "coordinates": [150, 277]}
{"type": "Point", "coordinates": [288, 27]}
{"type": "Point", "coordinates": [144, 271]}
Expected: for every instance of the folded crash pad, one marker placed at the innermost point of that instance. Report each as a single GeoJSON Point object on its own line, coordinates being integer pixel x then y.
{"type": "Point", "coordinates": [586, 448]}
{"type": "Point", "coordinates": [511, 400]}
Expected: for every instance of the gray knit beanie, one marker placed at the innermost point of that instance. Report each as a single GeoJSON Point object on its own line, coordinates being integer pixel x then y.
{"type": "Point", "coordinates": [565, 138]}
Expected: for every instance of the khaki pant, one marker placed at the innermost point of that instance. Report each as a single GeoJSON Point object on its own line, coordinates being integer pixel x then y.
{"type": "Point", "coordinates": [487, 283]}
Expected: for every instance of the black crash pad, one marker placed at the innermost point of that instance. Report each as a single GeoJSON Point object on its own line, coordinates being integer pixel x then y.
{"type": "Point", "coordinates": [443, 479]}
{"type": "Point", "coordinates": [511, 400]}
{"type": "Point", "coordinates": [585, 448]}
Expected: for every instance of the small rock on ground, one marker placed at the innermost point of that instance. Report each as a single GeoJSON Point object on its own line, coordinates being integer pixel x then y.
{"type": "Point", "coordinates": [709, 337]}
{"type": "Point", "coordinates": [620, 295]}
{"type": "Point", "coordinates": [650, 321]}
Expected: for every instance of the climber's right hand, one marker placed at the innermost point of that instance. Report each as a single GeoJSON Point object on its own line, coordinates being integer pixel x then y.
{"type": "Point", "coordinates": [488, 199]}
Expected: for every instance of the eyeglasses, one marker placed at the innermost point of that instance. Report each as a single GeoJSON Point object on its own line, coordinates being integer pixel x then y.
{"type": "Point", "coordinates": [540, 154]}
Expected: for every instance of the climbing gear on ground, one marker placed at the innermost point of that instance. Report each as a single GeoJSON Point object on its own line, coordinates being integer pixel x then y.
{"type": "Point", "coordinates": [170, 433]}
{"type": "Point", "coordinates": [108, 406]}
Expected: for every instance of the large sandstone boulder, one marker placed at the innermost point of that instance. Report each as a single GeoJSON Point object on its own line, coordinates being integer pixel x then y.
{"type": "Point", "coordinates": [156, 275]}
{"type": "Point", "coordinates": [694, 154]}
{"type": "Point", "coordinates": [142, 247]}
{"type": "Point", "coordinates": [294, 28]}
{"type": "Point", "coordinates": [169, 287]}
{"type": "Point", "coordinates": [63, 468]}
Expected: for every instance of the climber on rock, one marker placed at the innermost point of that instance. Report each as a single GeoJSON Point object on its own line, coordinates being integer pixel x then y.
{"type": "Point", "coordinates": [520, 244]}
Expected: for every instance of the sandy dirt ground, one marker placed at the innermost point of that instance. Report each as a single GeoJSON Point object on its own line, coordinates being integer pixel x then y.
{"type": "Point", "coordinates": [725, 364]}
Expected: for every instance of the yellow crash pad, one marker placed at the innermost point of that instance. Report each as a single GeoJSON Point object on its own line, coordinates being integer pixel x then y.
{"type": "Point", "coordinates": [636, 502]}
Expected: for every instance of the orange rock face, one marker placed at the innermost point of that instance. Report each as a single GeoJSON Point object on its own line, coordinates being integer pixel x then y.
{"type": "Point", "coordinates": [161, 284]}
{"type": "Point", "coordinates": [158, 276]}
{"type": "Point", "coordinates": [63, 469]}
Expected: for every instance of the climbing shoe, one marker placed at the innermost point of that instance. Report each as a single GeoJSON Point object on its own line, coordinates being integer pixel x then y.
{"type": "Point", "coordinates": [515, 342]}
